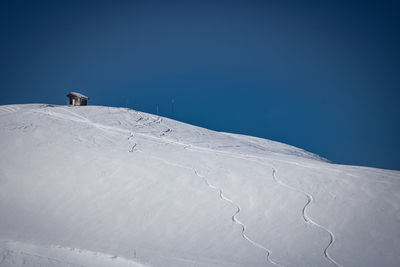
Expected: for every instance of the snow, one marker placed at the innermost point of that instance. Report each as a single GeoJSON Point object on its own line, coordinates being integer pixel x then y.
{"type": "Point", "coordinates": [20, 254]}
{"type": "Point", "coordinates": [102, 186]}
{"type": "Point", "coordinates": [78, 95]}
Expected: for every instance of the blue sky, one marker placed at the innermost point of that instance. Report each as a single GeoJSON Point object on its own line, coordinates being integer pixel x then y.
{"type": "Point", "coordinates": [320, 75]}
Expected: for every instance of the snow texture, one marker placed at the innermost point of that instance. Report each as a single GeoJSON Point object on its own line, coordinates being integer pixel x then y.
{"type": "Point", "coordinates": [102, 186]}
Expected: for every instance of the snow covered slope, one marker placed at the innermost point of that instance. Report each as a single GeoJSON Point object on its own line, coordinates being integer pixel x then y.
{"type": "Point", "coordinates": [101, 186]}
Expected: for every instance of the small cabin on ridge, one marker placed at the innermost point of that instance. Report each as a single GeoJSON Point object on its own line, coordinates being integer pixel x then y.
{"type": "Point", "coordinates": [77, 99]}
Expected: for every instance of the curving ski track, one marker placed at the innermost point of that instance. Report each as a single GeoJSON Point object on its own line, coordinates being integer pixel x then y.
{"type": "Point", "coordinates": [306, 218]}
{"type": "Point", "coordinates": [235, 220]}
{"type": "Point", "coordinates": [310, 199]}
{"type": "Point", "coordinates": [222, 197]}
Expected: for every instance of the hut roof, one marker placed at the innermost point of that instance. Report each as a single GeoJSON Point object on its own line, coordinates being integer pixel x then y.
{"type": "Point", "coordinates": [77, 95]}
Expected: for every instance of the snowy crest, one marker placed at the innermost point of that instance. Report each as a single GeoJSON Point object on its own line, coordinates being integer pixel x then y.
{"type": "Point", "coordinates": [102, 186]}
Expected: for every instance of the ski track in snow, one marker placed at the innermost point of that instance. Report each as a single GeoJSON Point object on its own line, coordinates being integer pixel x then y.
{"type": "Point", "coordinates": [222, 197]}
{"type": "Point", "coordinates": [8, 109]}
{"type": "Point", "coordinates": [306, 218]}
{"type": "Point", "coordinates": [235, 220]}
{"type": "Point", "coordinates": [134, 144]}
{"type": "Point", "coordinates": [310, 198]}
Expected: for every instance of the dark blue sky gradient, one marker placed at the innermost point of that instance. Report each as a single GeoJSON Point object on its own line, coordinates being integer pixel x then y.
{"type": "Point", "coordinates": [320, 75]}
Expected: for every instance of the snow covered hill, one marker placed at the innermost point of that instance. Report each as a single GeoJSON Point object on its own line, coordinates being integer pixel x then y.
{"type": "Point", "coordinates": [101, 186]}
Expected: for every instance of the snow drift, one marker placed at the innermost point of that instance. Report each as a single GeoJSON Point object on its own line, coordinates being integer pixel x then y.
{"type": "Point", "coordinates": [101, 186]}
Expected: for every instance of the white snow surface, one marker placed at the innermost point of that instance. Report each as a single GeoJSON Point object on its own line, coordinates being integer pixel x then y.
{"type": "Point", "coordinates": [102, 186]}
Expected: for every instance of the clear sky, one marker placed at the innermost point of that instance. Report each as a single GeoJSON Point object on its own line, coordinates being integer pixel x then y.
{"type": "Point", "coordinates": [320, 75]}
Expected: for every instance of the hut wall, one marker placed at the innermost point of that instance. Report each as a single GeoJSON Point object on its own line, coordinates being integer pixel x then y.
{"type": "Point", "coordinates": [76, 101]}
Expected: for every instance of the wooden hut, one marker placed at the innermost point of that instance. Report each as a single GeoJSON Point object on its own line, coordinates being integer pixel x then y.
{"type": "Point", "coordinates": [77, 99]}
